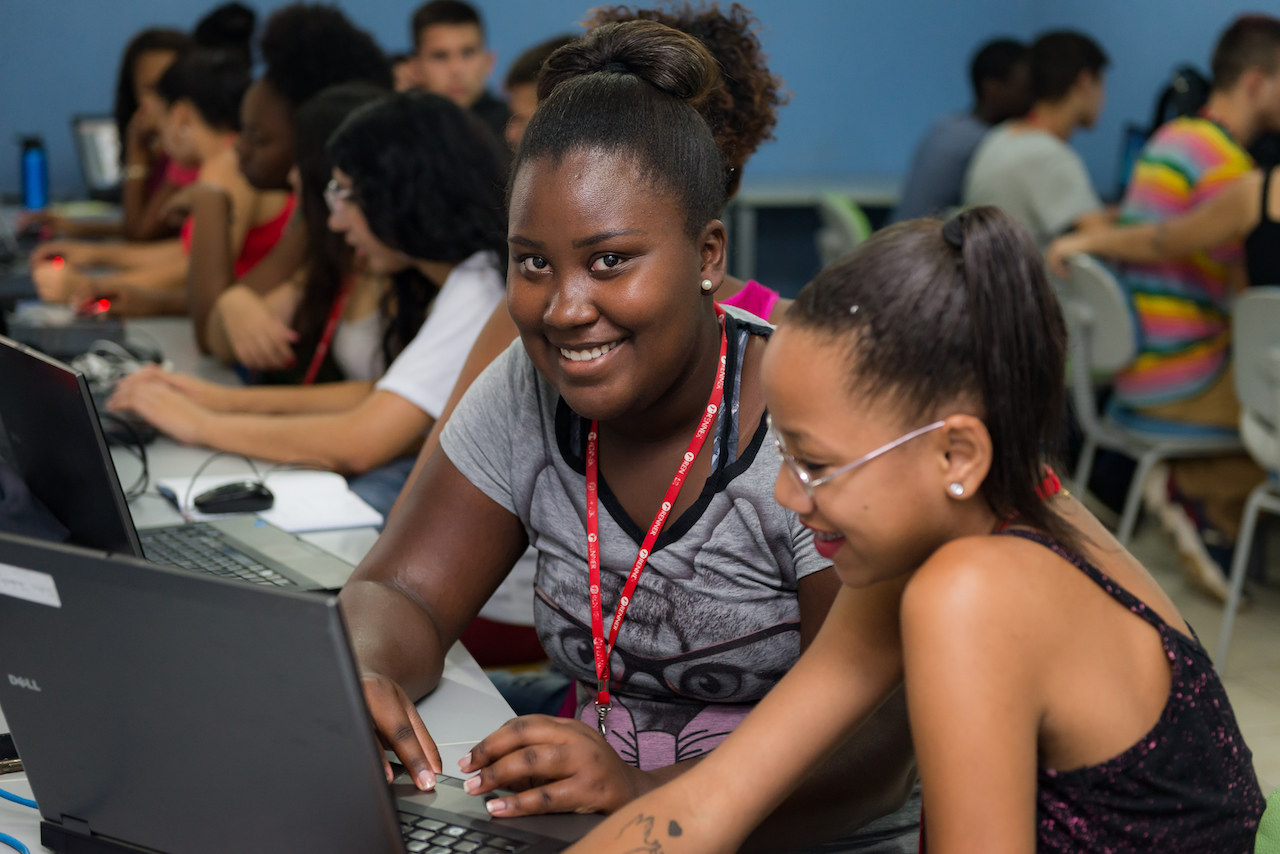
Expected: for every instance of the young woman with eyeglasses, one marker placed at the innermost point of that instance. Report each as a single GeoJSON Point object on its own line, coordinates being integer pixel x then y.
{"type": "Point", "coordinates": [417, 195]}
{"type": "Point", "coordinates": [1058, 700]}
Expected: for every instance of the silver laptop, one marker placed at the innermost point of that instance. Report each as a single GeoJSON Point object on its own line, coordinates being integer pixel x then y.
{"type": "Point", "coordinates": [98, 147]}
{"type": "Point", "coordinates": [162, 711]}
{"type": "Point", "coordinates": [55, 444]}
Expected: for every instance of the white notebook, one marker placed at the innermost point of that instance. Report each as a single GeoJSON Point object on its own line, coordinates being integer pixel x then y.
{"type": "Point", "coordinates": [304, 500]}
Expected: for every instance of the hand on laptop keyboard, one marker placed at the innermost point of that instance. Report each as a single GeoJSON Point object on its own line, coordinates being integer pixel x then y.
{"type": "Point", "coordinates": [400, 729]}
{"type": "Point", "coordinates": [553, 765]}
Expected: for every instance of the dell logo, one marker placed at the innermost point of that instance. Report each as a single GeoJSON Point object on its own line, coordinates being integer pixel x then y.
{"type": "Point", "coordinates": [23, 682]}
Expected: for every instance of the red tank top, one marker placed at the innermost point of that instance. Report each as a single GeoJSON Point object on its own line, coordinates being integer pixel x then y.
{"type": "Point", "coordinates": [259, 240]}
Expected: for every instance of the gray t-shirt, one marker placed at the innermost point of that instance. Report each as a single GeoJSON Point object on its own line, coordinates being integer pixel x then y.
{"type": "Point", "coordinates": [714, 622]}
{"type": "Point", "coordinates": [1034, 177]}
{"type": "Point", "coordinates": [936, 177]}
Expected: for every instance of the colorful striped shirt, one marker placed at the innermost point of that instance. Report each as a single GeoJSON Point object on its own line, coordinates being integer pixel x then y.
{"type": "Point", "coordinates": [1183, 307]}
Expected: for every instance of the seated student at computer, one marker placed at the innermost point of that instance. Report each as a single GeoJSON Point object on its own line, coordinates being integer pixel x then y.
{"type": "Point", "coordinates": [417, 193]}
{"type": "Point", "coordinates": [305, 48]}
{"type": "Point", "coordinates": [1192, 198]}
{"type": "Point", "coordinates": [521, 85]}
{"type": "Point", "coordinates": [1001, 78]}
{"type": "Point", "coordinates": [615, 254]}
{"type": "Point", "coordinates": [1025, 166]}
{"type": "Point", "coordinates": [148, 182]}
{"type": "Point", "coordinates": [740, 119]}
{"type": "Point", "coordinates": [326, 322]}
{"type": "Point", "coordinates": [201, 92]}
{"type": "Point", "coordinates": [1059, 702]}
{"type": "Point", "coordinates": [448, 38]}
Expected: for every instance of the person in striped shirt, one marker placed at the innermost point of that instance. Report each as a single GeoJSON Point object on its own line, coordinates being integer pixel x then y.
{"type": "Point", "coordinates": [1183, 304]}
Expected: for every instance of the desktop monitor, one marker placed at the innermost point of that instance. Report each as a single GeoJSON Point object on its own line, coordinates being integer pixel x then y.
{"type": "Point", "coordinates": [1132, 141]}
{"type": "Point", "coordinates": [98, 147]}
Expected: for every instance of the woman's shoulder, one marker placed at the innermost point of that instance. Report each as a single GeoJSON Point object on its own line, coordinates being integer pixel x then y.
{"type": "Point", "coordinates": [983, 583]}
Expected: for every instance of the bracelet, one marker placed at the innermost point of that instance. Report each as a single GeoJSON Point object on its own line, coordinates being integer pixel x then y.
{"type": "Point", "coordinates": [136, 171]}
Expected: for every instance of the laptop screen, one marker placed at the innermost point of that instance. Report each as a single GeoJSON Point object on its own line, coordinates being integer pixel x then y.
{"type": "Point", "coordinates": [176, 712]}
{"type": "Point", "coordinates": [98, 146]}
{"type": "Point", "coordinates": [56, 446]}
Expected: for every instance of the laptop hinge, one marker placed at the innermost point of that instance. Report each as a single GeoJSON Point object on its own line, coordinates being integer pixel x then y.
{"type": "Point", "coordinates": [71, 835]}
{"type": "Point", "coordinates": [75, 825]}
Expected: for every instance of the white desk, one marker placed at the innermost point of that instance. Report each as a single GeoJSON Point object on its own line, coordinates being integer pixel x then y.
{"type": "Point", "coordinates": [780, 191]}
{"type": "Point", "coordinates": [461, 711]}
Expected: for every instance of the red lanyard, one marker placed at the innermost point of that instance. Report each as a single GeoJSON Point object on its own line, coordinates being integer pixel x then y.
{"type": "Point", "coordinates": [330, 329]}
{"type": "Point", "coordinates": [601, 649]}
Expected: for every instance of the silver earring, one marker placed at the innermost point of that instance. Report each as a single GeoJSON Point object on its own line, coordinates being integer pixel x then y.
{"type": "Point", "coordinates": [956, 488]}
{"type": "Point", "coordinates": [707, 285]}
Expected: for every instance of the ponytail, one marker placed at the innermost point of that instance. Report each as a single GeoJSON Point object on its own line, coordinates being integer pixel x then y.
{"type": "Point", "coordinates": [960, 310]}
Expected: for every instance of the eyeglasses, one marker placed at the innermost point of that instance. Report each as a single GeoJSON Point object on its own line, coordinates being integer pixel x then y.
{"type": "Point", "coordinates": [809, 483]}
{"type": "Point", "coordinates": [335, 192]}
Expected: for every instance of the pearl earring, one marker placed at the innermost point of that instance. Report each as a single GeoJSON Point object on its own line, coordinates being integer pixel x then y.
{"type": "Point", "coordinates": [956, 488]}
{"type": "Point", "coordinates": [707, 286]}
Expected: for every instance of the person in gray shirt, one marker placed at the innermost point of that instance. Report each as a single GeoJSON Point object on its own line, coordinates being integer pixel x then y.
{"type": "Point", "coordinates": [1001, 78]}
{"type": "Point", "coordinates": [1025, 166]}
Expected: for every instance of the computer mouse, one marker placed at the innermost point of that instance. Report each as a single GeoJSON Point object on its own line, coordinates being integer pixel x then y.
{"type": "Point", "coordinates": [242, 496]}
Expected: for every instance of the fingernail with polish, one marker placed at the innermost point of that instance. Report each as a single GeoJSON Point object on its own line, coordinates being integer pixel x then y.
{"type": "Point", "coordinates": [471, 784]}
{"type": "Point", "coordinates": [496, 807]}
{"type": "Point", "coordinates": [465, 762]}
{"type": "Point", "coordinates": [426, 781]}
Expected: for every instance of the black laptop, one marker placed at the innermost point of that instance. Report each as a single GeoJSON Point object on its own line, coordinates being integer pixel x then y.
{"type": "Point", "coordinates": [164, 711]}
{"type": "Point", "coordinates": [56, 445]}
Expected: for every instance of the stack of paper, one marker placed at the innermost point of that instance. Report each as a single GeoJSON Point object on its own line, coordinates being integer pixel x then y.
{"type": "Point", "coordinates": [304, 500]}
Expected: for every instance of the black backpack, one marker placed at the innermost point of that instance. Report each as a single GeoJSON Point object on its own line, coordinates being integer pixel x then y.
{"type": "Point", "coordinates": [1184, 95]}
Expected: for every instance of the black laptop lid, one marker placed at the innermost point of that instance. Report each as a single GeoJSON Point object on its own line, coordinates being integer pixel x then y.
{"type": "Point", "coordinates": [57, 448]}
{"type": "Point", "coordinates": [184, 713]}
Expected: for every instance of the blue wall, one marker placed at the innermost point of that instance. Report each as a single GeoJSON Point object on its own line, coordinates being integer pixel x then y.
{"type": "Point", "coordinates": [867, 76]}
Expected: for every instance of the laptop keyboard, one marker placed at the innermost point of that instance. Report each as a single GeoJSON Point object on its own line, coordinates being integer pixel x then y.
{"type": "Point", "coordinates": [429, 836]}
{"type": "Point", "coordinates": [203, 549]}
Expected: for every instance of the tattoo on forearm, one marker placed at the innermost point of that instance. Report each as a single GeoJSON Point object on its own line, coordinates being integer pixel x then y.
{"type": "Point", "coordinates": [641, 834]}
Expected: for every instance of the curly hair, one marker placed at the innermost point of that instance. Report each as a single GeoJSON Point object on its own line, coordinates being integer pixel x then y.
{"type": "Point", "coordinates": [228, 27]}
{"type": "Point", "coordinates": [329, 258]}
{"type": "Point", "coordinates": [306, 48]}
{"type": "Point", "coordinates": [743, 111]}
{"type": "Point", "coordinates": [428, 177]}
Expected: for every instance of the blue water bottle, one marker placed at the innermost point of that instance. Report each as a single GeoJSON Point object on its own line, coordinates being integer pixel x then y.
{"type": "Point", "coordinates": [35, 173]}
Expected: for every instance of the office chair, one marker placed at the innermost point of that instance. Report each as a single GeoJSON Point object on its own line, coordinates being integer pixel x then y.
{"type": "Point", "coordinates": [1256, 357]}
{"type": "Point", "coordinates": [1103, 335]}
{"type": "Point", "coordinates": [844, 226]}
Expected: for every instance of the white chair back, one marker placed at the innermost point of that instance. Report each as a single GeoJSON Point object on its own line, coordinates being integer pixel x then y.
{"type": "Point", "coordinates": [1255, 342]}
{"type": "Point", "coordinates": [1097, 307]}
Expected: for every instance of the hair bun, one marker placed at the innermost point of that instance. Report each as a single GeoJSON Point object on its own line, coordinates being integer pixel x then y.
{"type": "Point", "coordinates": [671, 61]}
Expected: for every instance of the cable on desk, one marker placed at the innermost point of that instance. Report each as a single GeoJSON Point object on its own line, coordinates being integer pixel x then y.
{"type": "Point", "coordinates": [6, 839]}
{"type": "Point", "coordinates": [185, 507]}
{"type": "Point", "coordinates": [17, 799]}
{"type": "Point", "coordinates": [138, 448]}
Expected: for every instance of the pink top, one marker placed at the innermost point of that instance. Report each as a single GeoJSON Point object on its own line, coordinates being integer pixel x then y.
{"type": "Point", "coordinates": [755, 298]}
{"type": "Point", "coordinates": [180, 176]}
